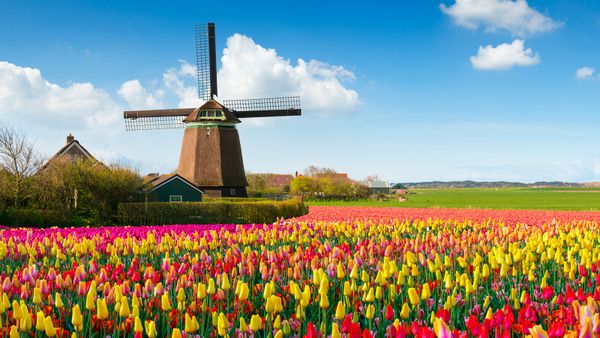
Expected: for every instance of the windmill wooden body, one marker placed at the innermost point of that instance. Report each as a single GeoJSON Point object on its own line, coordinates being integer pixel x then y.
{"type": "Point", "coordinates": [211, 154]}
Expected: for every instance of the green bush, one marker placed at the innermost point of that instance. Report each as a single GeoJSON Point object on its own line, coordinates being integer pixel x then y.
{"type": "Point", "coordinates": [35, 218]}
{"type": "Point", "coordinates": [209, 212]}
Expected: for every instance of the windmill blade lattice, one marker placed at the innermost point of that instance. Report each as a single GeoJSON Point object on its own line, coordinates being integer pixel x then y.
{"type": "Point", "coordinates": [206, 63]}
{"type": "Point", "coordinates": [155, 119]}
{"type": "Point", "coordinates": [264, 107]}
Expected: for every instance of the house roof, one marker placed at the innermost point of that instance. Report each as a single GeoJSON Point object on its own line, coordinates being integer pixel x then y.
{"type": "Point", "coordinates": [378, 184]}
{"type": "Point", "coordinates": [73, 150]}
{"type": "Point", "coordinates": [279, 180]}
{"type": "Point", "coordinates": [342, 176]}
{"type": "Point", "coordinates": [166, 178]}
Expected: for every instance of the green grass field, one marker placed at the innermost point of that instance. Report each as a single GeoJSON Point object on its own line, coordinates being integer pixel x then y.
{"type": "Point", "coordinates": [506, 198]}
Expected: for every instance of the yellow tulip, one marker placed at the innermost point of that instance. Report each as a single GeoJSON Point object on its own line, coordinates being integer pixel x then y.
{"type": "Point", "coordinates": [277, 322]}
{"type": "Point", "coordinates": [165, 302]}
{"type": "Point", "coordinates": [137, 325]}
{"type": "Point", "coordinates": [405, 311]}
{"type": "Point", "coordinates": [37, 296]}
{"type": "Point", "coordinates": [413, 296]}
{"type": "Point", "coordinates": [426, 292]}
{"type": "Point", "coordinates": [223, 325]}
{"type": "Point", "coordinates": [244, 291]}
{"type": "Point", "coordinates": [49, 327]}
{"type": "Point", "coordinates": [58, 301]}
{"type": "Point", "coordinates": [243, 325]}
{"type": "Point", "coordinates": [211, 287]}
{"type": "Point", "coordinates": [180, 295]}
{"type": "Point", "coordinates": [151, 329]}
{"type": "Point", "coordinates": [124, 311]}
{"type": "Point", "coordinates": [176, 333]}
{"type": "Point", "coordinates": [335, 331]}
{"type": "Point", "coordinates": [14, 332]}
{"type": "Point", "coordinates": [90, 302]}
{"type": "Point", "coordinates": [255, 323]}
{"type": "Point", "coordinates": [101, 309]}
{"type": "Point", "coordinates": [76, 318]}
{"type": "Point", "coordinates": [340, 311]}
{"type": "Point", "coordinates": [370, 297]}
{"type": "Point", "coordinates": [370, 311]}
{"type": "Point", "coordinates": [17, 310]}
{"type": "Point", "coordinates": [39, 321]}
{"type": "Point", "coordinates": [225, 285]}
{"type": "Point", "coordinates": [201, 294]}
{"type": "Point", "coordinates": [324, 301]}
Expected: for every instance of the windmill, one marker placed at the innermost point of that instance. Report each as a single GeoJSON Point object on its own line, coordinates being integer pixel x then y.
{"type": "Point", "coordinates": [211, 155]}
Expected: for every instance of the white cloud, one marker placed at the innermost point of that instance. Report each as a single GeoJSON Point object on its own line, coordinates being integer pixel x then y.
{"type": "Point", "coordinates": [504, 56]}
{"type": "Point", "coordinates": [584, 72]}
{"type": "Point", "coordinates": [513, 16]}
{"type": "Point", "coordinates": [174, 80]}
{"type": "Point", "coordinates": [24, 92]}
{"type": "Point", "coordinates": [252, 71]}
{"type": "Point", "coordinates": [137, 97]}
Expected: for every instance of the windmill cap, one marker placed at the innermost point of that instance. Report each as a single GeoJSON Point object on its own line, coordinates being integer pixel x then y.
{"type": "Point", "coordinates": [212, 104]}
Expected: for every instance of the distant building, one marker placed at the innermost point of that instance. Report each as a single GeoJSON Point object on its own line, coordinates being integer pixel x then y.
{"type": "Point", "coordinates": [172, 188]}
{"type": "Point", "coordinates": [379, 187]}
{"type": "Point", "coordinates": [340, 176]}
{"type": "Point", "coordinates": [73, 151]}
{"type": "Point", "coordinates": [279, 181]}
{"type": "Point", "coordinates": [398, 189]}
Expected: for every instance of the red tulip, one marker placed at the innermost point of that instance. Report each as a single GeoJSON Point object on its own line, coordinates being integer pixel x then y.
{"type": "Point", "coordinates": [548, 292]}
{"type": "Point", "coordinates": [389, 312]}
{"type": "Point", "coordinates": [311, 331]}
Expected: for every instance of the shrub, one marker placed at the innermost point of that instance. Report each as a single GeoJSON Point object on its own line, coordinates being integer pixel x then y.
{"type": "Point", "coordinates": [209, 212]}
{"type": "Point", "coordinates": [20, 217]}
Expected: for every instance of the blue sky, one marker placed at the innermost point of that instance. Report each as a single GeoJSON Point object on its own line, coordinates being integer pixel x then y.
{"type": "Point", "coordinates": [411, 90]}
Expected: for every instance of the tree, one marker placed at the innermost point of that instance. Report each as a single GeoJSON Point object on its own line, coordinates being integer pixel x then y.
{"type": "Point", "coordinates": [304, 186]}
{"type": "Point", "coordinates": [19, 159]}
{"type": "Point", "coordinates": [85, 189]}
{"type": "Point", "coordinates": [313, 171]}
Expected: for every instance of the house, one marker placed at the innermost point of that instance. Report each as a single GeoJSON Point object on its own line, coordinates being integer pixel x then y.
{"type": "Point", "coordinates": [379, 187]}
{"type": "Point", "coordinates": [72, 151]}
{"type": "Point", "coordinates": [279, 180]}
{"type": "Point", "coordinates": [399, 189]}
{"type": "Point", "coordinates": [172, 188]}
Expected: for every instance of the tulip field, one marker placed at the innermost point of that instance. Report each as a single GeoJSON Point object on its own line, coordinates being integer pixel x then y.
{"type": "Point", "coordinates": [336, 272]}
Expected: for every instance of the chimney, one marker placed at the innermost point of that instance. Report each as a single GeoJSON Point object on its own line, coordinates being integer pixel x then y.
{"type": "Point", "coordinates": [70, 138]}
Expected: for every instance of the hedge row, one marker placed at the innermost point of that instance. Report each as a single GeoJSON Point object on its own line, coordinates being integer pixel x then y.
{"type": "Point", "coordinates": [213, 212]}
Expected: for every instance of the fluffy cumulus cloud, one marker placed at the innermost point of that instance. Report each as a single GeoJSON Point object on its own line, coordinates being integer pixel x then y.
{"type": "Point", "coordinates": [504, 56]}
{"type": "Point", "coordinates": [177, 81]}
{"type": "Point", "coordinates": [252, 71]}
{"type": "Point", "coordinates": [25, 93]}
{"type": "Point", "coordinates": [584, 73]}
{"type": "Point", "coordinates": [516, 17]}
{"type": "Point", "coordinates": [137, 97]}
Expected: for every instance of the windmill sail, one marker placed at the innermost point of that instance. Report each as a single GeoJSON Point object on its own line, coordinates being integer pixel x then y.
{"type": "Point", "coordinates": [264, 107]}
{"type": "Point", "coordinates": [206, 61]}
{"type": "Point", "coordinates": [155, 119]}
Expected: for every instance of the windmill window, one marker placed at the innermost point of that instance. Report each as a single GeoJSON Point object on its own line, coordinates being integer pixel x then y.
{"type": "Point", "coordinates": [211, 113]}
{"type": "Point", "coordinates": [203, 113]}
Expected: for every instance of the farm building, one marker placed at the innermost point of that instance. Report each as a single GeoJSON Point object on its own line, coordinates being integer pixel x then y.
{"type": "Point", "coordinates": [378, 187]}
{"type": "Point", "coordinates": [173, 188]}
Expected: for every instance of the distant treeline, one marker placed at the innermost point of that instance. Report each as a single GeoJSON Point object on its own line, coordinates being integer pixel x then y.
{"type": "Point", "coordinates": [498, 184]}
